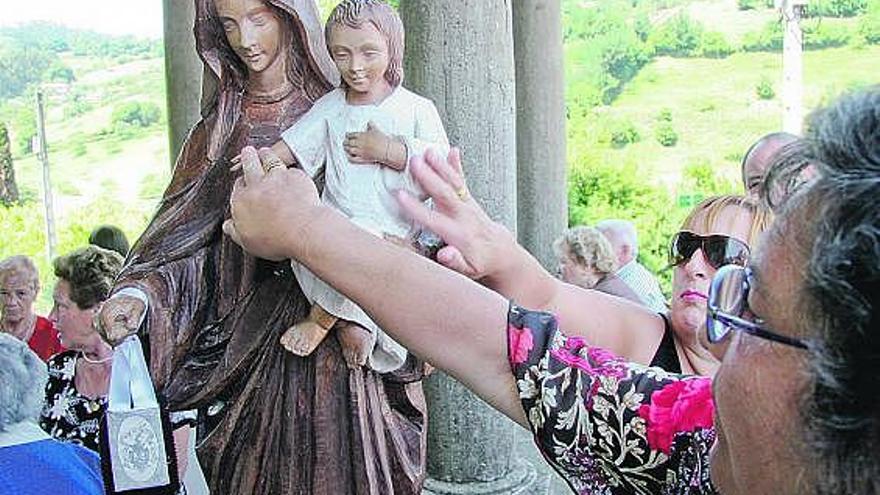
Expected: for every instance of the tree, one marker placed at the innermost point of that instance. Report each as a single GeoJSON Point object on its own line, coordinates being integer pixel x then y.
{"type": "Point", "coordinates": [21, 66]}
{"type": "Point", "coordinates": [8, 188]}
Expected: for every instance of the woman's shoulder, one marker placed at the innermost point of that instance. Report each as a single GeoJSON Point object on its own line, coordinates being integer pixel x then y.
{"type": "Point", "coordinates": [648, 426]}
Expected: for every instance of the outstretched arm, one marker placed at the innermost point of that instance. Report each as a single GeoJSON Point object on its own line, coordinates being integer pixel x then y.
{"type": "Point", "coordinates": [440, 315]}
{"type": "Point", "coordinates": [485, 250]}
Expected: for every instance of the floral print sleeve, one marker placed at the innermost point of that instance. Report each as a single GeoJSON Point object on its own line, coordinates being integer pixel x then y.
{"type": "Point", "coordinates": [609, 426]}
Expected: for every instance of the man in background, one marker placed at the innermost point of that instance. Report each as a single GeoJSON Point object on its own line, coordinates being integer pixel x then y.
{"type": "Point", "coordinates": [758, 157]}
{"type": "Point", "coordinates": [624, 239]}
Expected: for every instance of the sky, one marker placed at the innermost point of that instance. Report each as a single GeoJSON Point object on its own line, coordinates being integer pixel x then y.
{"type": "Point", "coordinates": [141, 18]}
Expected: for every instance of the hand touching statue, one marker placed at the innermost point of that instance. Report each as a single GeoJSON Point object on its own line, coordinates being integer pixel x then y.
{"type": "Point", "coordinates": [477, 246]}
{"type": "Point", "coordinates": [264, 199]}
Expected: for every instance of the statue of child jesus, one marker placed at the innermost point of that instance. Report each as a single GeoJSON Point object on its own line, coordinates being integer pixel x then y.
{"type": "Point", "coordinates": [364, 131]}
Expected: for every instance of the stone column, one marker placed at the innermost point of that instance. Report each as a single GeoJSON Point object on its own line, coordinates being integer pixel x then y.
{"type": "Point", "coordinates": [183, 72]}
{"type": "Point", "coordinates": [542, 200]}
{"type": "Point", "coordinates": [459, 53]}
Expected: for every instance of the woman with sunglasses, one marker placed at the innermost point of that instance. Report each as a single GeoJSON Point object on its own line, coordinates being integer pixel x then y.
{"type": "Point", "coordinates": [717, 232]}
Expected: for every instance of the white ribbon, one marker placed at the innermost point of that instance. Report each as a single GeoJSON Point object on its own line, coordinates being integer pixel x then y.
{"type": "Point", "coordinates": [130, 383]}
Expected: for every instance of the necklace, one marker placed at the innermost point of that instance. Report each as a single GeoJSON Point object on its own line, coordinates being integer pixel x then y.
{"type": "Point", "coordinates": [95, 361]}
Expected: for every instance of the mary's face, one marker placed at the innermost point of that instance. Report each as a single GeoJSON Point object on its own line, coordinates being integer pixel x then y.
{"type": "Point", "coordinates": [691, 278]}
{"type": "Point", "coordinates": [17, 296]}
{"type": "Point", "coordinates": [760, 383]}
{"type": "Point", "coordinates": [253, 30]}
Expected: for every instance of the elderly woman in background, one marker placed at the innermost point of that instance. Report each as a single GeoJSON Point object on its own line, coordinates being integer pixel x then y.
{"type": "Point", "coordinates": [798, 331]}
{"type": "Point", "coordinates": [79, 378]}
{"type": "Point", "coordinates": [586, 259]}
{"type": "Point", "coordinates": [19, 286]}
{"type": "Point", "coordinates": [30, 461]}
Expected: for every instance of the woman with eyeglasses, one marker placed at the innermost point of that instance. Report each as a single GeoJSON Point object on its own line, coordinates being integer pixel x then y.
{"type": "Point", "coordinates": [793, 407]}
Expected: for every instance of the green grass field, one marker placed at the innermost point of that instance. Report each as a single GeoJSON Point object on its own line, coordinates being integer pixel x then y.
{"type": "Point", "coordinates": [715, 108]}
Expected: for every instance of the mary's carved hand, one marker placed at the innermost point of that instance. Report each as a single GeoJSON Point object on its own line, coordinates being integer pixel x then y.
{"type": "Point", "coordinates": [118, 318]}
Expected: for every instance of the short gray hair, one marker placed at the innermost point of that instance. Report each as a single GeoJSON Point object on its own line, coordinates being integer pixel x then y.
{"type": "Point", "coordinates": [588, 247]}
{"type": "Point", "coordinates": [22, 266]}
{"type": "Point", "coordinates": [623, 230]}
{"type": "Point", "coordinates": [22, 382]}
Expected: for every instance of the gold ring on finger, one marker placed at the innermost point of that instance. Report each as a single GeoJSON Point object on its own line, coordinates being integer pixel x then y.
{"type": "Point", "coordinates": [462, 193]}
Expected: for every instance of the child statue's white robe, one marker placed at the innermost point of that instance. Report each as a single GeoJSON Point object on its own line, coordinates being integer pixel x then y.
{"type": "Point", "coordinates": [363, 192]}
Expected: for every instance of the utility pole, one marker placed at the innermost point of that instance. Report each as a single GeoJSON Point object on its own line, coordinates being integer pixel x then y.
{"type": "Point", "coordinates": [42, 152]}
{"type": "Point", "coordinates": [792, 65]}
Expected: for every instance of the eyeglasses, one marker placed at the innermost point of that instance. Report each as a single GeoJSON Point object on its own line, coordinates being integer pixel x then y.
{"type": "Point", "coordinates": [719, 250]}
{"type": "Point", "coordinates": [729, 302]}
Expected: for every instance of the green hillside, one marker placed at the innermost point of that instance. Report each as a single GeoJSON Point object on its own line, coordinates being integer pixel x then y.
{"type": "Point", "coordinates": [638, 72]}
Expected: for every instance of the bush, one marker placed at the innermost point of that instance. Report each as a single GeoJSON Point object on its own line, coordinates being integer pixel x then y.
{"type": "Point", "coordinates": [665, 134]}
{"type": "Point", "coordinates": [77, 105]}
{"type": "Point", "coordinates": [818, 35]}
{"type": "Point", "coordinates": [766, 39]}
{"type": "Point", "coordinates": [714, 45]}
{"type": "Point", "coordinates": [764, 89]}
{"type": "Point", "coordinates": [678, 37]}
{"type": "Point", "coordinates": [58, 72]}
{"type": "Point", "coordinates": [754, 4]}
{"type": "Point", "coordinates": [665, 115]}
{"type": "Point", "coordinates": [869, 24]}
{"type": "Point", "coordinates": [701, 176]}
{"type": "Point", "coordinates": [135, 113]}
{"type": "Point", "coordinates": [622, 133]}
{"type": "Point", "coordinates": [836, 8]}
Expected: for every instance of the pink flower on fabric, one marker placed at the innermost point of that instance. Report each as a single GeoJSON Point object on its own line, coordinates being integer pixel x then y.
{"type": "Point", "coordinates": [592, 360]}
{"type": "Point", "coordinates": [679, 407]}
{"type": "Point", "coordinates": [520, 342]}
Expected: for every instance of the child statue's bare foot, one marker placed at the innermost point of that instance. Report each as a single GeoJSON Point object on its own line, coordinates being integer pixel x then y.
{"type": "Point", "coordinates": [302, 338]}
{"type": "Point", "coordinates": [355, 341]}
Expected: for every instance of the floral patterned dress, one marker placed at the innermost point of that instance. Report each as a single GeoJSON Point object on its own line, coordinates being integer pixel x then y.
{"type": "Point", "coordinates": [68, 415]}
{"type": "Point", "coordinates": [606, 425]}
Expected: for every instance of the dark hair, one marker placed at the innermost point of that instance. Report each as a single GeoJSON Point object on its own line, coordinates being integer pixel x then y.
{"type": "Point", "coordinates": [90, 271]}
{"type": "Point", "coordinates": [841, 288]}
{"type": "Point", "coordinates": [110, 237]}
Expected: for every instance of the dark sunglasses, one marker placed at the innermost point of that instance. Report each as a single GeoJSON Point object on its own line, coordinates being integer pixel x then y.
{"type": "Point", "coordinates": [719, 250]}
{"type": "Point", "coordinates": [728, 309]}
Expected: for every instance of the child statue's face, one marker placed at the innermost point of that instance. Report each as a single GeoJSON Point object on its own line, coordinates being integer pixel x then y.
{"type": "Point", "coordinates": [361, 55]}
{"type": "Point", "coordinates": [253, 31]}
